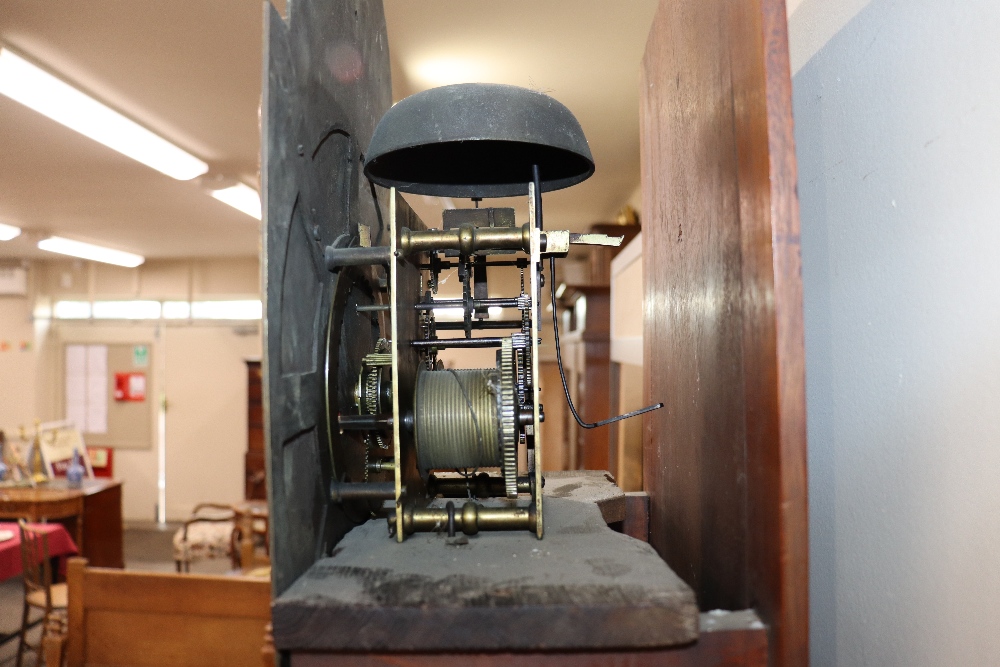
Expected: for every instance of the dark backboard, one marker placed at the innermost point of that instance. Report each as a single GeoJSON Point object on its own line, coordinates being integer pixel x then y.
{"type": "Point", "coordinates": [326, 84]}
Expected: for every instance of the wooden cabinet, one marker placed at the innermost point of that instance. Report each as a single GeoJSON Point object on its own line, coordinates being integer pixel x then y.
{"type": "Point", "coordinates": [585, 348]}
{"type": "Point", "coordinates": [585, 334]}
{"type": "Point", "coordinates": [256, 473]}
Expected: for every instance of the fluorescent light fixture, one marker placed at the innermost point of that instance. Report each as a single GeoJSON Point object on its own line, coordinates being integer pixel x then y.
{"type": "Point", "coordinates": [8, 232]}
{"type": "Point", "coordinates": [92, 252]}
{"type": "Point", "coordinates": [241, 197]}
{"type": "Point", "coordinates": [37, 89]}
{"type": "Point", "coordinates": [126, 310]}
{"type": "Point", "coordinates": [72, 310]}
{"type": "Point", "coordinates": [176, 310]}
{"type": "Point", "coordinates": [248, 309]}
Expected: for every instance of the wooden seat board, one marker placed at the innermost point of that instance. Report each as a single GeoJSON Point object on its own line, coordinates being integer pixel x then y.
{"type": "Point", "coordinates": [582, 586]}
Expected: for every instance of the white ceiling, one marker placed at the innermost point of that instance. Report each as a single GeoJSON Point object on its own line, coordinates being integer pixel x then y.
{"type": "Point", "coordinates": [190, 70]}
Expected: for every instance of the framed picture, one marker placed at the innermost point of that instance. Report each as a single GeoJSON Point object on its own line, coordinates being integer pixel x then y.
{"type": "Point", "coordinates": [58, 442]}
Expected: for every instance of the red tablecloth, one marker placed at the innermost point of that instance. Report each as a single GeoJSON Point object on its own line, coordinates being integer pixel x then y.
{"type": "Point", "coordinates": [60, 545]}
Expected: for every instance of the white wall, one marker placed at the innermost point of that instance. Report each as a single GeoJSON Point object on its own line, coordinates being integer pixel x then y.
{"type": "Point", "coordinates": [898, 141]}
{"type": "Point", "coordinates": [206, 425]}
{"type": "Point", "coordinates": [18, 354]}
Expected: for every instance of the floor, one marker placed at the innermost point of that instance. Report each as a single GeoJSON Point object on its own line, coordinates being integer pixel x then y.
{"type": "Point", "coordinates": [147, 548]}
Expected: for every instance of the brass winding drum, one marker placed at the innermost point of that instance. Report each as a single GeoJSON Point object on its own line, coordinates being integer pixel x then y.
{"type": "Point", "coordinates": [455, 419]}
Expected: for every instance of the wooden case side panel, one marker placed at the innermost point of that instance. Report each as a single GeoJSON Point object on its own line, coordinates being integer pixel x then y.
{"type": "Point", "coordinates": [725, 462]}
{"type": "Point", "coordinates": [694, 449]}
{"type": "Point", "coordinates": [777, 503]}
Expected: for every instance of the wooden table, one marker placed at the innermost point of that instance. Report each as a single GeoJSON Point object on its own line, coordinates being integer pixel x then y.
{"type": "Point", "coordinates": [92, 514]}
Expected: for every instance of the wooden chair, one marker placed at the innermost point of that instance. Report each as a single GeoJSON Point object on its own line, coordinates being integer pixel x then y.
{"type": "Point", "coordinates": [210, 532]}
{"type": "Point", "coordinates": [119, 618]}
{"type": "Point", "coordinates": [39, 591]}
{"type": "Point", "coordinates": [252, 535]}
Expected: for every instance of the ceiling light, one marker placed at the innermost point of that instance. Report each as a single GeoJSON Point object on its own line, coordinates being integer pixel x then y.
{"type": "Point", "coordinates": [241, 197]}
{"type": "Point", "coordinates": [92, 252]}
{"type": "Point", "coordinates": [8, 232]}
{"type": "Point", "coordinates": [37, 89]}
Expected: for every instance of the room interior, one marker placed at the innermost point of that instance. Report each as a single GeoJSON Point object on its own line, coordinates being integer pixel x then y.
{"type": "Point", "coordinates": [191, 445]}
{"type": "Point", "coordinates": [198, 249]}
{"type": "Point", "coordinates": [191, 74]}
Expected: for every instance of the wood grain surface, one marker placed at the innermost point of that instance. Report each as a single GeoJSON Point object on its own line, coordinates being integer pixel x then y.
{"type": "Point", "coordinates": [146, 619]}
{"type": "Point", "coordinates": [636, 523]}
{"type": "Point", "coordinates": [725, 461]}
{"type": "Point", "coordinates": [103, 530]}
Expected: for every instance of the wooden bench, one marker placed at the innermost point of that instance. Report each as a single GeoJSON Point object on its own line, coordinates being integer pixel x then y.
{"type": "Point", "coordinates": [145, 619]}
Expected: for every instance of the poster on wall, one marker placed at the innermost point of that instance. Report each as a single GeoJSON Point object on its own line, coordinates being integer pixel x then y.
{"type": "Point", "coordinates": [87, 387]}
{"type": "Point", "coordinates": [130, 387]}
{"type": "Point", "coordinates": [108, 390]}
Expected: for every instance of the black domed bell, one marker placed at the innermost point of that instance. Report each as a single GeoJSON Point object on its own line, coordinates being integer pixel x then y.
{"type": "Point", "coordinates": [477, 140]}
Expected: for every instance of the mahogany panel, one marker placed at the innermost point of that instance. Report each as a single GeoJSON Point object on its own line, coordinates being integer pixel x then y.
{"type": "Point", "coordinates": [777, 503]}
{"type": "Point", "coordinates": [725, 461]}
{"type": "Point", "coordinates": [695, 448]}
{"type": "Point", "coordinates": [593, 399]}
{"type": "Point", "coordinates": [103, 530]}
{"type": "Point", "coordinates": [636, 523]}
{"type": "Point", "coordinates": [594, 404]}
{"type": "Point", "coordinates": [614, 403]}
{"type": "Point", "coordinates": [255, 467]}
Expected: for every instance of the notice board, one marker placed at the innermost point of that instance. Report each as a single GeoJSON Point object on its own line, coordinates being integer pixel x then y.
{"type": "Point", "coordinates": [94, 378]}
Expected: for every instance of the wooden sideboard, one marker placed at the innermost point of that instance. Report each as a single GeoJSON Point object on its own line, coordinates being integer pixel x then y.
{"type": "Point", "coordinates": [92, 514]}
